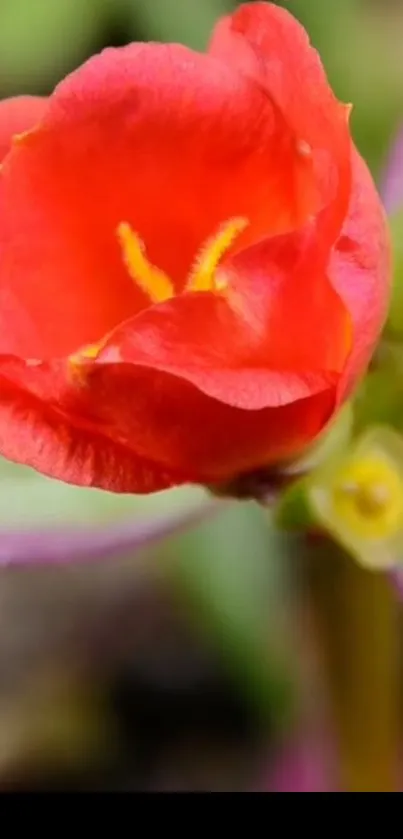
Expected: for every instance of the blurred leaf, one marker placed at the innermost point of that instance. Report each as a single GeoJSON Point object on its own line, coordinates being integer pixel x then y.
{"type": "Point", "coordinates": [27, 498]}
{"type": "Point", "coordinates": [293, 510]}
{"type": "Point", "coordinates": [52, 546]}
{"type": "Point", "coordinates": [42, 40]}
{"type": "Point", "coordinates": [360, 46]}
{"type": "Point", "coordinates": [185, 21]}
{"type": "Point", "coordinates": [379, 399]}
{"type": "Point", "coordinates": [233, 578]}
{"type": "Point", "coordinates": [316, 19]}
{"type": "Point", "coordinates": [54, 725]}
{"type": "Point", "coordinates": [336, 437]}
{"type": "Point", "coordinates": [227, 571]}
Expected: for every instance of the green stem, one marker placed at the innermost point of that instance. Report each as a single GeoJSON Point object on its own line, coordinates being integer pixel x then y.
{"type": "Point", "coordinates": [356, 620]}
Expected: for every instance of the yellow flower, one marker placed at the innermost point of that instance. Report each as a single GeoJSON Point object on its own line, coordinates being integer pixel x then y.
{"type": "Point", "coordinates": [358, 498]}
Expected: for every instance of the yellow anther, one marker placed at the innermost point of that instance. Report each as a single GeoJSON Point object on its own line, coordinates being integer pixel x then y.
{"type": "Point", "coordinates": [87, 353]}
{"type": "Point", "coordinates": [371, 500]}
{"type": "Point", "coordinates": [17, 139]}
{"type": "Point", "coordinates": [369, 497]}
{"type": "Point", "coordinates": [78, 369]}
{"type": "Point", "coordinates": [154, 282]}
{"type": "Point", "coordinates": [203, 277]}
{"type": "Point", "coordinates": [92, 351]}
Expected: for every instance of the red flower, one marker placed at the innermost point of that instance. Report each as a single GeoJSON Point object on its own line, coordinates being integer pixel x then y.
{"type": "Point", "coordinates": [194, 265]}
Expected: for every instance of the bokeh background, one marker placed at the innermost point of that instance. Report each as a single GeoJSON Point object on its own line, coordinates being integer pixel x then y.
{"type": "Point", "coordinates": [185, 666]}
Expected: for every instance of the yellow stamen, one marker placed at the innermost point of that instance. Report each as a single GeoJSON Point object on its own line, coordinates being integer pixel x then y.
{"type": "Point", "coordinates": [368, 497]}
{"type": "Point", "coordinates": [154, 282]}
{"type": "Point", "coordinates": [17, 139]}
{"type": "Point", "coordinates": [77, 361]}
{"type": "Point", "coordinates": [204, 274]}
{"type": "Point", "coordinates": [87, 353]}
{"type": "Point", "coordinates": [92, 351]}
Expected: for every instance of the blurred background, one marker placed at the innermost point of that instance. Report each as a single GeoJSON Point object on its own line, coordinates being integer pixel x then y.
{"type": "Point", "coordinates": [186, 666]}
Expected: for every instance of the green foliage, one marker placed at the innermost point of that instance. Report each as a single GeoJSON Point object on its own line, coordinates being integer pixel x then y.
{"type": "Point", "coordinates": [232, 579]}
{"type": "Point", "coordinates": [42, 40]}
{"type": "Point", "coordinates": [185, 21]}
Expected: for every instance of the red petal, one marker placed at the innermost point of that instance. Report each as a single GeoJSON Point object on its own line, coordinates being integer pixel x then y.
{"type": "Point", "coordinates": [360, 270]}
{"type": "Point", "coordinates": [144, 416]}
{"type": "Point", "coordinates": [172, 142]}
{"type": "Point", "coordinates": [275, 336]}
{"type": "Point", "coordinates": [17, 115]}
{"type": "Point", "coordinates": [267, 44]}
{"type": "Point", "coordinates": [131, 429]}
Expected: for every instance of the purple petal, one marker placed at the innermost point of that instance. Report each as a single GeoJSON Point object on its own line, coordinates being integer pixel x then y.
{"type": "Point", "coordinates": [60, 546]}
{"type": "Point", "coordinates": [397, 582]}
{"type": "Point", "coordinates": [303, 764]}
{"type": "Point", "coordinates": [392, 181]}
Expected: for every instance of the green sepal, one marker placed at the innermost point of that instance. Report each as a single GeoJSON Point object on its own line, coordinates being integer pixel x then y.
{"type": "Point", "coordinates": [293, 508]}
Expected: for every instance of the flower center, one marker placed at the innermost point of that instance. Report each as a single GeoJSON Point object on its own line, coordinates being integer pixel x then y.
{"type": "Point", "coordinates": [204, 275]}
{"type": "Point", "coordinates": [157, 285]}
{"type": "Point", "coordinates": [369, 496]}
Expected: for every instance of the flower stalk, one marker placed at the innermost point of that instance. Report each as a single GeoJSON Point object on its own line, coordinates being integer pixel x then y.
{"type": "Point", "coordinates": [356, 622]}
